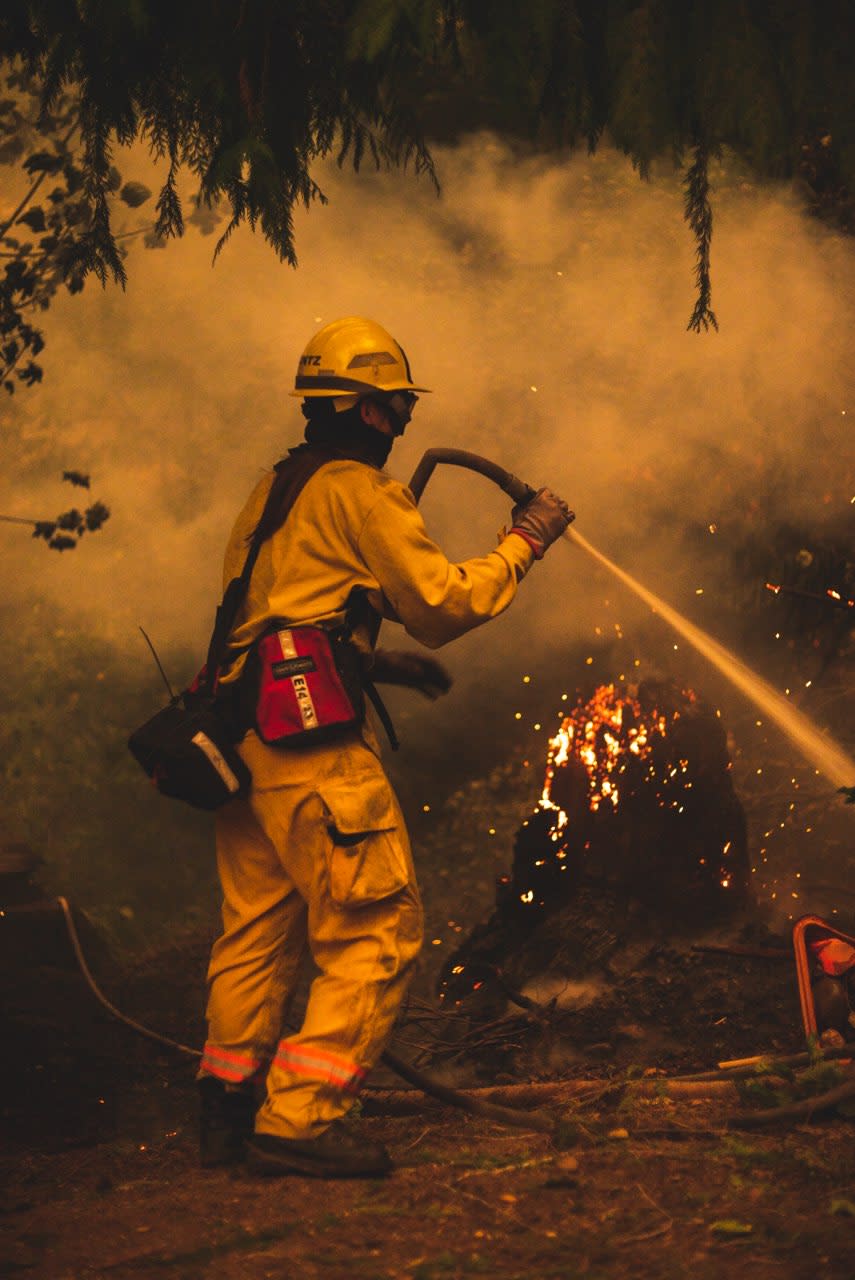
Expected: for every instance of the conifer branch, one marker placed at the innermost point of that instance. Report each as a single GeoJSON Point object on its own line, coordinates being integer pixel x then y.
{"type": "Point", "coordinates": [698, 214]}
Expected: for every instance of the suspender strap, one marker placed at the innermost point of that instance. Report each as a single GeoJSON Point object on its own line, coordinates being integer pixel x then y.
{"type": "Point", "coordinates": [360, 612]}
{"type": "Point", "coordinates": [292, 474]}
{"type": "Point", "coordinates": [382, 713]}
{"type": "Point", "coordinates": [226, 614]}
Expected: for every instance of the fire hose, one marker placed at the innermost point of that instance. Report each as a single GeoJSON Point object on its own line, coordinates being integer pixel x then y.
{"type": "Point", "coordinates": [515, 488]}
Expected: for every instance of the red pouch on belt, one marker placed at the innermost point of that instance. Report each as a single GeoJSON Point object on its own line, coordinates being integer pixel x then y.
{"type": "Point", "coordinates": [306, 684]}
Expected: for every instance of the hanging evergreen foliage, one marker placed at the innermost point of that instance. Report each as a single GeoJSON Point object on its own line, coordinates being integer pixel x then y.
{"type": "Point", "coordinates": [249, 94]}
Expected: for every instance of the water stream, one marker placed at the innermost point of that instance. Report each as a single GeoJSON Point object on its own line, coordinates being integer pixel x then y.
{"type": "Point", "coordinates": [824, 754]}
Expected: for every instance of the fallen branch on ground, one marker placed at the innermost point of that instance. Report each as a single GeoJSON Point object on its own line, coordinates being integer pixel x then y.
{"type": "Point", "coordinates": [746, 1068]}
{"type": "Point", "coordinates": [458, 1098]}
{"type": "Point", "coordinates": [753, 953]}
{"type": "Point", "coordinates": [517, 1096]}
{"type": "Point", "coordinates": [805, 1111]}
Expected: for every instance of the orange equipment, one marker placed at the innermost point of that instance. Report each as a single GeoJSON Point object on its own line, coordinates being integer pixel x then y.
{"type": "Point", "coordinates": [818, 945]}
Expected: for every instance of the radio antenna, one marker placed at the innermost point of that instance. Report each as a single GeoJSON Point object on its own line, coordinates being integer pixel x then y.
{"type": "Point", "coordinates": [159, 665]}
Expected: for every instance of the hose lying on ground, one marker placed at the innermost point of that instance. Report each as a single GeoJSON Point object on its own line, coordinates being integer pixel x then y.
{"type": "Point", "coordinates": [451, 1097]}
{"type": "Point", "coordinates": [701, 1085]}
{"type": "Point", "coordinates": [102, 999]}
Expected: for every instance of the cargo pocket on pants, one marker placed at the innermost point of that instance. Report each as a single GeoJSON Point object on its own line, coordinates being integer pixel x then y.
{"type": "Point", "coordinates": [365, 860]}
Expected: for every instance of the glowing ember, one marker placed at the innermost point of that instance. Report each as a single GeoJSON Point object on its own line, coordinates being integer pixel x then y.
{"type": "Point", "coordinates": [599, 733]}
{"type": "Point", "coordinates": [622, 743]}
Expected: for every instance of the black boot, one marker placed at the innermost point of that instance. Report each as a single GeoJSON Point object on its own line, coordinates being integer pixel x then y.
{"type": "Point", "coordinates": [226, 1121]}
{"type": "Point", "coordinates": [337, 1153]}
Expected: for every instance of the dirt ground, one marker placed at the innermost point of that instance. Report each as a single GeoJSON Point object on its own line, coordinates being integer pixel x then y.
{"type": "Point", "coordinates": [101, 1179]}
{"type": "Point", "coordinates": [467, 1198]}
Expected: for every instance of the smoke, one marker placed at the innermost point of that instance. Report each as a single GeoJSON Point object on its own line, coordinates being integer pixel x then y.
{"type": "Point", "coordinates": [546, 305]}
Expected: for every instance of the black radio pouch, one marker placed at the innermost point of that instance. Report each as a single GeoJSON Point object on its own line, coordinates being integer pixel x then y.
{"type": "Point", "coordinates": [188, 753]}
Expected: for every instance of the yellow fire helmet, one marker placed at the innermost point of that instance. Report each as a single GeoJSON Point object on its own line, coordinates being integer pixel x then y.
{"type": "Point", "coordinates": [353, 356]}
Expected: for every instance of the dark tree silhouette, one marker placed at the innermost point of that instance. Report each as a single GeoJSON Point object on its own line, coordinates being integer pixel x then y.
{"type": "Point", "coordinates": [249, 94]}
{"type": "Point", "coordinates": [65, 531]}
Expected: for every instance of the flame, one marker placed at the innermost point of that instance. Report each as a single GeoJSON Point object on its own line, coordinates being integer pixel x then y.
{"type": "Point", "coordinates": [602, 734]}
{"type": "Point", "coordinates": [598, 733]}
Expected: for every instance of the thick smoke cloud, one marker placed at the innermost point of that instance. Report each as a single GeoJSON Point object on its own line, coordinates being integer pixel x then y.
{"type": "Point", "coordinates": [544, 303]}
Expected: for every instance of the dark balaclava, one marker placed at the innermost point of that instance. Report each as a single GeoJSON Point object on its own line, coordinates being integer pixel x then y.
{"type": "Point", "coordinates": [345, 432]}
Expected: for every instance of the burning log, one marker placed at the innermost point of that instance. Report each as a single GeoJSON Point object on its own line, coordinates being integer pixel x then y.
{"type": "Point", "coordinates": [638, 818]}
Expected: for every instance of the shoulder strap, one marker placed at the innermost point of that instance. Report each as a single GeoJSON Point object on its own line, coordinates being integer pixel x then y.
{"type": "Point", "coordinates": [292, 474]}
{"type": "Point", "coordinates": [227, 611]}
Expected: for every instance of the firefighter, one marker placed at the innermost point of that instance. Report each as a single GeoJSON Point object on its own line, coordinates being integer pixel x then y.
{"type": "Point", "coordinates": [316, 857]}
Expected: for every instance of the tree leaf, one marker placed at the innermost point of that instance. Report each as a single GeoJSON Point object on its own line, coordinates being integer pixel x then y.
{"type": "Point", "coordinates": [43, 162]}
{"type": "Point", "coordinates": [96, 515]}
{"type": "Point", "coordinates": [34, 219]}
{"type": "Point", "coordinates": [59, 542]}
{"type": "Point", "coordinates": [135, 194]}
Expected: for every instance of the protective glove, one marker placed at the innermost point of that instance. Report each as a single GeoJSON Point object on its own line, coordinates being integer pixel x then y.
{"type": "Point", "coordinates": [412, 671]}
{"type": "Point", "coordinates": [542, 520]}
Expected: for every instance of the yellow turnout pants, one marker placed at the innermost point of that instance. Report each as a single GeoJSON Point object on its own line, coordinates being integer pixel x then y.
{"type": "Point", "coordinates": [316, 856]}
